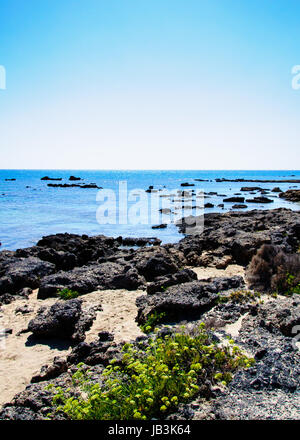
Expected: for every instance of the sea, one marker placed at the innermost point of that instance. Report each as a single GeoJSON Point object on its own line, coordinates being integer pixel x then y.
{"type": "Point", "coordinates": [30, 209]}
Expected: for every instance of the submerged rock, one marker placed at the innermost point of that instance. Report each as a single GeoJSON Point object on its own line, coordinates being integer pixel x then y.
{"type": "Point", "coordinates": [293, 195]}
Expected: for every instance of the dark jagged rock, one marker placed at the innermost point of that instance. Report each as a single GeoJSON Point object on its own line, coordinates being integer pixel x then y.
{"type": "Point", "coordinates": [47, 372]}
{"type": "Point", "coordinates": [142, 241]}
{"type": "Point", "coordinates": [165, 211]}
{"type": "Point", "coordinates": [162, 226]}
{"type": "Point", "coordinates": [251, 188]}
{"type": "Point", "coordinates": [293, 195]}
{"type": "Point", "coordinates": [34, 403]}
{"type": "Point", "coordinates": [64, 319]}
{"type": "Point", "coordinates": [23, 309]}
{"type": "Point", "coordinates": [209, 205]}
{"type": "Point", "coordinates": [239, 206]}
{"type": "Point", "coordinates": [277, 359]}
{"type": "Point", "coordinates": [87, 279]}
{"type": "Point", "coordinates": [276, 190]}
{"type": "Point", "coordinates": [67, 251]}
{"type": "Point", "coordinates": [51, 178]}
{"type": "Point", "coordinates": [101, 351]}
{"type": "Point", "coordinates": [235, 199]}
{"type": "Point", "coordinates": [161, 283]}
{"type": "Point", "coordinates": [259, 200]}
{"type": "Point", "coordinates": [280, 317]}
{"type": "Point", "coordinates": [73, 178]}
{"type": "Point", "coordinates": [241, 234]}
{"type": "Point", "coordinates": [74, 185]}
{"type": "Point", "coordinates": [16, 273]}
{"type": "Point", "coordinates": [185, 301]}
{"type": "Point", "coordinates": [258, 180]}
{"type": "Point", "coordinates": [154, 262]}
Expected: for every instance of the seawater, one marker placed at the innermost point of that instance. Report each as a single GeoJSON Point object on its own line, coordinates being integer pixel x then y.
{"type": "Point", "coordinates": [29, 209]}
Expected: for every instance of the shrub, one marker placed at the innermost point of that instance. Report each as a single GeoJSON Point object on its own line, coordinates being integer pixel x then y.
{"type": "Point", "coordinates": [152, 319]}
{"type": "Point", "coordinates": [67, 294]}
{"type": "Point", "coordinates": [151, 382]}
{"type": "Point", "coordinates": [271, 269]}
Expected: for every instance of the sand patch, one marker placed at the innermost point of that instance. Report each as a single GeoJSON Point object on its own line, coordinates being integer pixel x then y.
{"type": "Point", "coordinates": [231, 270]}
{"type": "Point", "coordinates": [118, 315]}
{"type": "Point", "coordinates": [234, 329]}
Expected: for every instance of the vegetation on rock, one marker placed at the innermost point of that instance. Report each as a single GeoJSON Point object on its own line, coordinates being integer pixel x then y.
{"type": "Point", "coordinates": [151, 381]}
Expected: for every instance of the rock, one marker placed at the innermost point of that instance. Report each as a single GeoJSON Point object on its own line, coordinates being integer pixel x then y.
{"type": "Point", "coordinates": [241, 234]}
{"type": "Point", "coordinates": [17, 273]}
{"type": "Point", "coordinates": [153, 263]}
{"type": "Point", "coordinates": [25, 292]}
{"type": "Point", "coordinates": [184, 301]}
{"type": "Point", "coordinates": [58, 367]}
{"type": "Point", "coordinates": [239, 206]}
{"type": "Point", "coordinates": [292, 195]}
{"type": "Point", "coordinates": [162, 282]}
{"type": "Point", "coordinates": [143, 241]}
{"type": "Point", "coordinates": [280, 317]}
{"type": "Point", "coordinates": [34, 403]}
{"type": "Point", "coordinates": [251, 188]}
{"type": "Point", "coordinates": [187, 184]}
{"type": "Point", "coordinates": [73, 178]}
{"type": "Point", "coordinates": [90, 278]}
{"type": "Point", "coordinates": [7, 298]}
{"type": "Point", "coordinates": [73, 185]}
{"type": "Point", "coordinates": [209, 205]}
{"type": "Point", "coordinates": [99, 352]}
{"type": "Point", "coordinates": [260, 200]}
{"type": "Point", "coordinates": [162, 226]}
{"type": "Point", "coordinates": [235, 199]}
{"type": "Point", "coordinates": [69, 250]}
{"type": "Point", "coordinates": [258, 180]}
{"type": "Point", "coordinates": [276, 189]}
{"type": "Point", "coordinates": [19, 413]}
{"type": "Point", "coordinates": [277, 360]}
{"type": "Point", "coordinates": [23, 309]}
{"type": "Point", "coordinates": [50, 178]}
{"type": "Point", "coordinates": [64, 320]}
{"type": "Point", "coordinates": [165, 210]}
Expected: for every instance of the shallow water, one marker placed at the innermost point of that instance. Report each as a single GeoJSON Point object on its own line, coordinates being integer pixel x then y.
{"type": "Point", "coordinates": [30, 209]}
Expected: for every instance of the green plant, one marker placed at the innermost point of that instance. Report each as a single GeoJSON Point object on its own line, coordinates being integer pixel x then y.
{"type": "Point", "coordinates": [239, 296]}
{"type": "Point", "coordinates": [151, 382]}
{"type": "Point", "coordinates": [67, 294]}
{"type": "Point", "coordinates": [292, 287]}
{"type": "Point", "coordinates": [152, 319]}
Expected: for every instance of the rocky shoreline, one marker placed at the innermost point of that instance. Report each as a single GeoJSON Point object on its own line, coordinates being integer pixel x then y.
{"type": "Point", "coordinates": [168, 281]}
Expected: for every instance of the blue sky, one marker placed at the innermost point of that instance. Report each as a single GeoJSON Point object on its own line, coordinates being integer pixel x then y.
{"type": "Point", "coordinates": [136, 84]}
